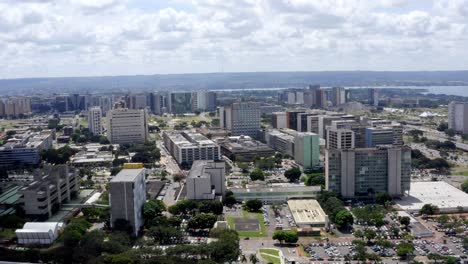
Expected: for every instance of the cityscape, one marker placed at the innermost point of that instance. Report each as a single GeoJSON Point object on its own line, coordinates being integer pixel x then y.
{"type": "Point", "coordinates": [184, 132]}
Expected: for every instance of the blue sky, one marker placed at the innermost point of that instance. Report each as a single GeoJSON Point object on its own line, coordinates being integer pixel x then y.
{"type": "Point", "coordinates": [48, 38]}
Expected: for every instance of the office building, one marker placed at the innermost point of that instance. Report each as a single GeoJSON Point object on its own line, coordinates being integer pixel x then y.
{"type": "Point", "coordinates": [367, 171]}
{"type": "Point", "coordinates": [281, 140]}
{"type": "Point", "coordinates": [94, 120]}
{"type": "Point", "coordinates": [51, 187]}
{"type": "Point", "coordinates": [25, 148]}
{"type": "Point", "coordinates": [136, 101]}
{"type": "Point", "coordinates": [338, 96]}
{"type": "Point", "coordinates": [127, 126]}
{"type": "Point", "coordinates": [244, 148]}
{"type": "Point", "coordinates": [292, 118]}
{"type": "Point", "coordinates": [386, 135]}
{"type": "Point", "coordinates": [180, 102]}
{"type": "Point", "coordinates": [307, 213]}
{"type": "Point", "coordinates": [276, 192]}
{"type": "Point", "coordinates": [76, 102]}
{"type": "Point", "coordinates": [340, 138]}
{"type": "Point", "coordinates": [15, 107]}
{"type": "Point", "coordinates": [241, 119]}
{"type": "Point", "coordinates": [187, 147]}
{"type": "Point", "coordinates": [374, 97]}
{"type": "Point", "coordinates": [203, 101]}
{"type": "Point", "coordinates": [307, 150]}
{"type": "Point", "coordinates": [127, 195]}
{"type": "Point", "coordinates": [458, 116]}
{"type": "Point", "coordinates": [206, 180]}
{"type": "Point", "coordinates": [278, 120]}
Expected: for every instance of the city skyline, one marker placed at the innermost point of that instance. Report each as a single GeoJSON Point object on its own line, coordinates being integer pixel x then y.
{"type": "Point", "coordinates": [48, 38]}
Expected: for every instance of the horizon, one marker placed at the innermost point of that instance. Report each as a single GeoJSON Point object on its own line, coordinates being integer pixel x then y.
{"type": "Point", "coordinates": [84, 38]}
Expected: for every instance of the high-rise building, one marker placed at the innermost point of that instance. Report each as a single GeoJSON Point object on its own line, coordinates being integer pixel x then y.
{"type": "Point", "coordinates": [241, 119]}
{"type": "Point", "coordinates": [338, 96]}
{"type": "Point", "coordinates": [77, 102]}
{"type": "Point", "coordinates": [127, 195]}
{"type": "Point", "coordinates": [278, 120]}
{"type": "Point", "coordinates": [203, 101]}
{"type": "Point", "coordinates": [94, 120]}
{"type": "Point", "coordinates": [374, 97]}
{"type": "Point", "coordinates": [307, 150]}
{"type": "Point", "coordinates": [320, 98]}
{"type": "Point", "coordinates": [340, 138]}
{"type": "Point", "coordinates": [136, 101]}
{"type": "Point", "coordinates": [206, 180]}
{"type": "Point", "coordinates": [15, 107]}
{"type": "Point", "coordinates": [367, 171]}
{"type": "Point", "coordinates": [458, 116]}
{"type": "Point", "coordinates": [384, 135]}
{"type": "Point", "coordinates": [292, 118]}
{"type": "Point", "coordinates": [127, 126]}
{"type": "Point", "coordinates": [180, 102]}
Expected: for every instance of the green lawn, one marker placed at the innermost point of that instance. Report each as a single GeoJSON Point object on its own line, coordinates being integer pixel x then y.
{"type": "Point", "coordinates": [270, 256]}
{"type": "Point", "coordinates": [7, 234]}
{"type": "Point", "coordinates": [461, 173]}
{"type": "Point", "coordinates": [246, 214]}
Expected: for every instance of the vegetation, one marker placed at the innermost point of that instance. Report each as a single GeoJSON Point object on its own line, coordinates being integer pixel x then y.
{"type": "Point", "coordinates": [253, 205]}
{"type": "Point", "coordinates": [464, 186]}
{"type": "Point", "coordinates": [58, 156]}
{"type": "Point", "coordinates": [372, 214]}
{"type": "Point", "coordinates": [314, 179]}
{"type": "Point", "coordinates": [202, 221]}
{"type": "Point", "coordinates": [429, 209]}
{"type": "Point", "coordinates": [404, 249]}
{"type": "Point", "coordinates": [189, 207]}
{"type": "Point", "coordinates": [293, 174]}
{"type": "Point", "coordinates": [257, 175]}
{"type": "Point", "coordinates": [230, 199]}
{"type": "Point", "coordinates": [420, 161]}
{"type": "Point", "coordinates": [285, 236]}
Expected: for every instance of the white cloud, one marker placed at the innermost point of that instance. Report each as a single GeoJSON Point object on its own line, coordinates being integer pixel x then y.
{"type": "Point", "coordinates": [105, 36]}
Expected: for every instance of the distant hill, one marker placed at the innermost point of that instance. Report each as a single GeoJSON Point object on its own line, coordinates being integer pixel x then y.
{"type": "Point", "coordinates": [228, 81]}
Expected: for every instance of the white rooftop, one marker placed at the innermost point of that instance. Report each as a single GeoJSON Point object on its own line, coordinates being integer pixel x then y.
{"type": "Point", "coordinates": [441, 194]}
{"type": "Point", "coordinates": [307, 212]}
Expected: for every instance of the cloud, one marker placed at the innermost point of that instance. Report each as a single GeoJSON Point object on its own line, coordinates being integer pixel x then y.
{"type": "Point", "coordinates": [169, 36]}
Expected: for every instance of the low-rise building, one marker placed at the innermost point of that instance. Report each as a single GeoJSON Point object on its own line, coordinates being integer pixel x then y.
{"type": "Point", "coordinates": [307, 213]}
{"type": "Point", "coordinates": [244, 147]}
{"type": "Point", "coordinates": [43, 233]}
{"type": "Point", "coordinates": [25, 148]}
{"type": "Point", "coordinates": [51, 187]}
{"type": "Point", "coordinates": [206, 180]}
{"type": "Point", "coordinates": [276, 192]}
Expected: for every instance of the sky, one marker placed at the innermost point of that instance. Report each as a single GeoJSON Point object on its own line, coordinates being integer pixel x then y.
{"type": "Point", "coordinates": [57, 38]}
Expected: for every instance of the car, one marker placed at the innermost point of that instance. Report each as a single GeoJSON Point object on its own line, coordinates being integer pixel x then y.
{"type": "Point", "coordinates": [247, 238]}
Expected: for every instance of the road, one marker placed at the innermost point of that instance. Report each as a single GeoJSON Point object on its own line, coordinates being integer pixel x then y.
{"type": "Point", "coordinates": [433, 134]}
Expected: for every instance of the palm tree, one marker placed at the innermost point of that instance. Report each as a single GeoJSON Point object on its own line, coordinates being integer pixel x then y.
{"type": "Point", "coordinates": [243, 258]}
{"type": "Point", "coordinates": [253, 258]}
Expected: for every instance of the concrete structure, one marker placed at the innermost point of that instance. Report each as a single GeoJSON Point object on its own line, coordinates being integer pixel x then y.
{"type": "Point", "coordinates": [458, 116]}
{"type": "Point", "coordinates": [308, 213]}
{"type": "Point", "coordinates": [181, 102]}
{"type": "Point", "coordinates": [186, 147]}
{"type": "Point", "coordinates": [281, 140]}
{"type": "Point", "coordinates": [127, 195]}
{"type": "Point", "coordinates": [445, 196]}
{"type": "Point", "coordinates": [276, 193]}
{"type": "Point", "coordinates": [338, 96]}
{"type": "Point", "coordinates": [307, 150]}
{"type": "Point", "coordinates": [278, 120]}
{"type": "Point", "coordinates": [43, 233]}
{"type": "Point", "coordinates": [14, 107]}
{"type": "Point", "coordinates": [340, 138]}
{"type": "Point", "coordinates": [25, 148]}
{"type": "Point", "coordinates": [51, 187]}
{"type": "Point", "coordinates": [241, 119]}
{"type": "Point", "coordinates": [358, 172]}
{"type": "Point", "coordinates": [384, 135]}
{"type": "Point", "coordinates": [244, 147]}
{"type": "Point", "coordinates": [127, 126]}
{"type": "Point", "coordinates": [203, 101]}
{"type": "Point", "coordinates": [94, 120]}
{"type": "Point", "coordinates": [206, 180]}
{"type": "Point", "coordinates": [374, 97]}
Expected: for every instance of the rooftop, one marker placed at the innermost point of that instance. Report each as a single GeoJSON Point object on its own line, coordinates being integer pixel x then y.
{"type": "Point", "coordinates": [441, 194]}
{"type": "Point", "coordinates": [307, 211]}
{"type": "Point", "coordinates": [127, 175]}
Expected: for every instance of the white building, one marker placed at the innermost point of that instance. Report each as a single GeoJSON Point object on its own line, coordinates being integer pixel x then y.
{"type": "Point", "coordinates": [94, 120]}
{"type": "Point", "coordinates": [206, 180]}
{"type": "Point", "coordinates": [278, 120]}
{"type": "Point", "coordinates": [458, 116]}
{"type": "Point", "coordinates": [241, 119]}
{"type": "Point", "coordinates": [44, 233]}
{"type": "Point", "coordinates": [127, 195]}
{"type": "Point", "coordinates": [127, 126]}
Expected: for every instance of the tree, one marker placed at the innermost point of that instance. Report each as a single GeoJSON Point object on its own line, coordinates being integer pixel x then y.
{"type": "Point", "coordinates": [253, 259]}
{"type": "Point", "coordinates": [293, 174]}
{"type": "Point", "coordinates": [450, 132]}
{"type": "Point", "coordinates": [344, 218]}
{"type": "Point", "coordinates": [429, 209]}
{"type": "Point", "coordinates": [257, 175]}
{"type": "Point", "coordinates": [383, 197]}
{"type": "Point", "coordinates": [71, 238]}
{"type": "Point", "coordinates": [370, 234]}
{"type": "Point", "coordinates": [153, 208]}
{"type": "Point", "coordinates": [358, 233]}
{"type": "Point", "coordinates": [404, 249]}
{"type": "Point", "coordinates": [442, 126]}
{"type": "Point", "coordinates": [230, 199]}
{"type": "Point", "coordinates": [285, 236]}
{"type": "Point", "coordinates": [202, 221]}
{"type": "Point", "coordinates": [165, 234]}
{"type": "Point", "coordinates": [253, 205]}
{"type": "Point", "coordinates": [178, 177]}
{"type": "Point", "coordinates": [405, 220]}
{"type": "Point", "coordinates": [464, 186]}
{"type": "Point", "coordinates": [315, 179]}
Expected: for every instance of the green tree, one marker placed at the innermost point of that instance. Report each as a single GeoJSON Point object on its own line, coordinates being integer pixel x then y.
{"type": "Point", "coordinates": [293, 174]}
{"type": "Point", "coordinates": [253, 259]}
{"type": "Point", "coordinates": [404, 249]}
{"type": "Point", "coordinates": [358, 233]}
{"type": "Point", "coordinates": [165, 234]}
{"type": "Point", "coordinates": [405, 220]}
{"type": "Point", "coordinates": [153, 208]}
{"type": "Point", "coordinates": [383, 197]}
{"type": "Point", "coordinates": [370, 234]}
{"type": "Point", "coordinates": [253, 205]}
{"type": "Point", "coordinates": [450, 132]}
{"type": "Point", "coordinates": [429, 209]}
{"type": "Point", "coordinates": [464, 186]}
{"type": "Point", "coordinates": [202, 221]}
{"type": "Point", "coordinates": [285, 236]}
{"type": "Point", "coordinates": [230, 199]}
{"type": "Point", "coordinates": [257, 175]}
{"type": "Point", "coordinates": [344, 218]}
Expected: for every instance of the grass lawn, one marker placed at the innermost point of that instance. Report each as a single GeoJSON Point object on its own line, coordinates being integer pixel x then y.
{"type": "Point", "coordinates": [7, 233]}
{"type": "Point", "coordinates": [270, 255]}
{"type": "Point", "coordinates": [246, 214]}
{"type": "Point", "coordinates": [461, 173]}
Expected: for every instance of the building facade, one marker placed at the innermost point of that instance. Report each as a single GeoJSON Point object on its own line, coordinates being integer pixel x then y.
{"type": "Point", "coordinates": [25, 148]}
{"type": "Point", "coordinates": [94, 120]}
{"type": "Point", "coordinates": [307, 150]}
{"type": "Point", "coordinates": [127, 126]}
{"type": "Point", "coordinates": [206, 180]}
{"type": "Point", "coordinates": [241, 119]}
{"type": "Point", "coordinates": [458, 116]}
{"type": "Point", "coordinates": [127, 195]}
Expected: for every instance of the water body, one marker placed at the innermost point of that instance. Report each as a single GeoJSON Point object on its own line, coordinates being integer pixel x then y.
{"type": "Point", "coordinates": [448, 90]}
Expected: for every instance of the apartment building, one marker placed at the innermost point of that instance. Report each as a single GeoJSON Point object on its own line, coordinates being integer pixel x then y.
{"type": "Point", "coordinates": [94, 120]}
